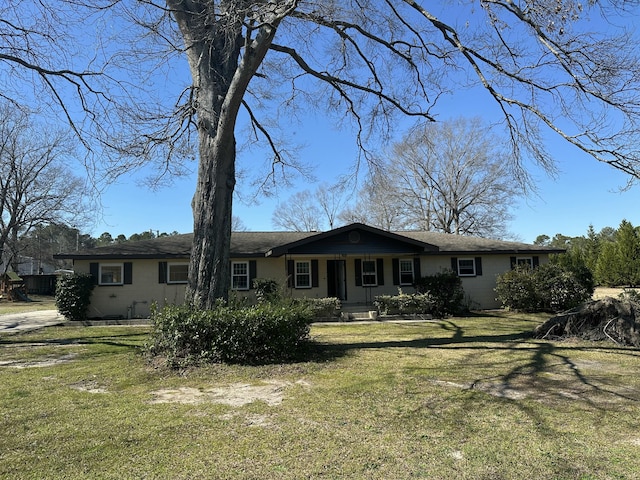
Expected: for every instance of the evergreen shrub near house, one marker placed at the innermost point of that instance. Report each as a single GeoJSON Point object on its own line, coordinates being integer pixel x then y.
{"type": "Point", "coordinates": [404, 303]}
{"type": "Point", "coordinates": [271, 291]}
{"type": "Point", "coordinates": [322, 307]}
{"type": "Point", "coordinates": [549, 287]}
{"type": "Point", "coordinates": [73, 295]}
{"type": "Point", "coordinates": [439, 295]}
{"type": "Point", "coordinates": [445, 289]}
{"type": "Point", "coordinates": [258, 334]}
{"type": "Point", "coordinates": [267, 290]}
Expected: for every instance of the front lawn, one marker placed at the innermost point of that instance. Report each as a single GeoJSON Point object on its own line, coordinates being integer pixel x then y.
{"type": "Point", "coordinates": [461, 398]}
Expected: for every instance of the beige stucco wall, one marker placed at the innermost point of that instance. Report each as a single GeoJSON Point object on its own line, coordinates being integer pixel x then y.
{"type": "Point", "coordinates": [132, 300]}
{"type": "Point", "coordinates": [135, 300]}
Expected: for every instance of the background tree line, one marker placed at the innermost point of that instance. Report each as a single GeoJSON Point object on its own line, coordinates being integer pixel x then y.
{"type": "Point", "coordinates": [611, 255]}
{"type": "Point", "coordinates": [37, 247]}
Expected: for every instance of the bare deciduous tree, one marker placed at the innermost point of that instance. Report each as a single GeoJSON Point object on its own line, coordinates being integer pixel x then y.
{"type": "Point", "coordinates": [36, 186]}
{"type": "Point", "coordinates": [307, 211]}
{"type": "Point", "coordinates": [299, 213]}
{"type": "Point", "coordinates": [451, 177]}
{"type": "Point", "coordinates": [544, 67]}
{"type": "Point", "coordinates": [375, 206]}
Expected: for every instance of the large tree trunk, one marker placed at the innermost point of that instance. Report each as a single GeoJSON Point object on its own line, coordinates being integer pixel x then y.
{"type": "Point", "coordinates": [214, 39]}
{"type": "Point", "coordinates": [209, 271]}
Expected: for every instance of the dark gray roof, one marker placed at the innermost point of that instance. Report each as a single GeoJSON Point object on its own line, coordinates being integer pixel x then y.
{"type": "Point", "coordinates": [260, 244]}
{"type": "Point", "coordinates": [460, 244]}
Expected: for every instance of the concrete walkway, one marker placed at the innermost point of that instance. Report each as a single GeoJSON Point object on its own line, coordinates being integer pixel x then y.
{"type": "Point", "coordinates": [21, 322]}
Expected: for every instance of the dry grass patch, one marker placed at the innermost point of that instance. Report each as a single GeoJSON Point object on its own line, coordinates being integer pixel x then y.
{"type": "Point", "coordinates": [38, 302]}
{"type": "Point", "coordinates": [236, 395]}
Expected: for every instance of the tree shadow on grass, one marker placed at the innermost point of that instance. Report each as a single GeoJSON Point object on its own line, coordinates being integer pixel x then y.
{"type": "Point", "coordinates": [457, 338]}
{"type": "Point", "coordinates": [125, 340]}
{"type": "Point", "coordinates": [541, 370]}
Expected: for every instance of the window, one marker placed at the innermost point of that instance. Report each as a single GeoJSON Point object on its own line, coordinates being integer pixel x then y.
{"type": "Point", "coordinates": [111, 274]}
{"type": "Point", "coordinates": [369, 275]}
{"type": "Point", "coordinates": [240, 275]}
{"type": "Point", "coordinates": [406, 272]}
{"type": "Point", "coordinates": [178, 273]}
{"type": "Point", "coordinates": [466, 267]}
{"type": "Point", "coordinates": [525, 261]}
{"type": "Point", "coordinates": [303, 274]}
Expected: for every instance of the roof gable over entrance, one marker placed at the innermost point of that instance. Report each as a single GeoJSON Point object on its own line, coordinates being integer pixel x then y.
{"type": "Point", "coordinates": [356, 238]}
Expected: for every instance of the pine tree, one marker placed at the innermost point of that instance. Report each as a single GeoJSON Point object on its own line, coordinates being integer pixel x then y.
{"type": "Point", "coordinates": [628, 253]}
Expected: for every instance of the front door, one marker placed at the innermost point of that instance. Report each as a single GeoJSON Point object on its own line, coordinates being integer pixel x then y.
{"type": "Point", "coordinates": [337, 279]}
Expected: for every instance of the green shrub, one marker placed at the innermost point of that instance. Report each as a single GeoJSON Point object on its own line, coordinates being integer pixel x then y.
{"type": "Point", "coordinates": [404, 303]}
{"type": "Point", "coordinates": [264, 333]}
{"type": "Point", "coordinates": [517, 290]}
{"type": "Point", "coordinates": [267, 290]}
{"type": "Point", "coordinates": [322, 307]}
{"type": "Point", "coordinates": [549, 287]}
{"type": "Point", "coordinates": [73, 295]}
{"type": "Point", "coordinates": [446, 292]}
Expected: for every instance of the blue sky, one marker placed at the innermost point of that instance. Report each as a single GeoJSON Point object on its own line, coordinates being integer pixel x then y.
{"type": "Point", "coordinates": [585, 192]}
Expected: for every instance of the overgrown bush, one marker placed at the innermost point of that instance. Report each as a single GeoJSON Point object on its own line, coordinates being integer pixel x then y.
{"type": "Point", "coordinates": [73, 295]}
{"type": "Point", "coordinates": [263, 333]}
{"type": "Point", "coordinates": [446, 292]}
{"type": "Point", "coordinates": [549, 287]}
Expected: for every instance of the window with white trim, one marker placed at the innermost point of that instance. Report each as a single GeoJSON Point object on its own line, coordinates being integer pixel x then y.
{"type": "Point", "coordinates": [525, 261]}
{"type": "Point", "coordinates": [406, 271]}
{"type": "Point", "coordinates": [466, 267]}
{"type": "Point", "coordinates": [303, 274]}
{"type": "Point", "coordinates": [369, 273]}
{"type": "Point", "coordinates": [240, 275]}
{"type": "Point", "coordinates": [111, 274]}
{"type": "Point", "coordinates": [177, 272]}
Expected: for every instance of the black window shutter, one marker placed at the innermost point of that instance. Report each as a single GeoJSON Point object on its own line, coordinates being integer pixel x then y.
{"type": "Point", "coordinates": [478, 265]}
{"type": "Point", "coordinates": [380, 270]}
{"type": "Point", "coordinates": [513, 262]}
{"type": "Point", "coordinates": [454, 264]}
{"type": "Point", "coordinates": [536, 262]}
{"type": "Point", "coordinates": [290, 273]}
{"type": "Point", "coordinates": [395, 266]}
{"type": "Point", "coordinates": [128, 273]}
{"type": "Point", "coordinates": [94, 271]}
{"type": "Point", "coordinates": [315, 281]}
{"type": "Point", "coordinates": [417, 274]}
{"type": "Point", "coordinates": [162, 272]}
{"type": "Point", "coordinates": [253, 272]}
{"type": "Point", "coordinates": [358, 267]}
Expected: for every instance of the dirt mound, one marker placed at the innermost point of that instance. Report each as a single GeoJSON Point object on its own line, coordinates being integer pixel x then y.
{"type": "Point", "coordinates": [605, 319]}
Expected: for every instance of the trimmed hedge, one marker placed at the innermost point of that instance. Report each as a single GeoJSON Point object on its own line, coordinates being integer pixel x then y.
{"type": "Point", "coordinates": [404, 303]}
{"type": "Point", "coordinates": [259, 334]}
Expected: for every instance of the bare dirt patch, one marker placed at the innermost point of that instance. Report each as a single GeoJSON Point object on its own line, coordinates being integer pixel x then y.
{"type": "Point", "coordinates": [234, 395]}
{"type": "Point", "coordinates": [48, 361]}
{"type": "Point", "coordinates": [89, 386]}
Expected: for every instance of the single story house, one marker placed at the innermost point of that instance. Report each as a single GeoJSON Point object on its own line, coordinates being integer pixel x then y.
{"type": "Point", "coordinates": [354, 263]}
